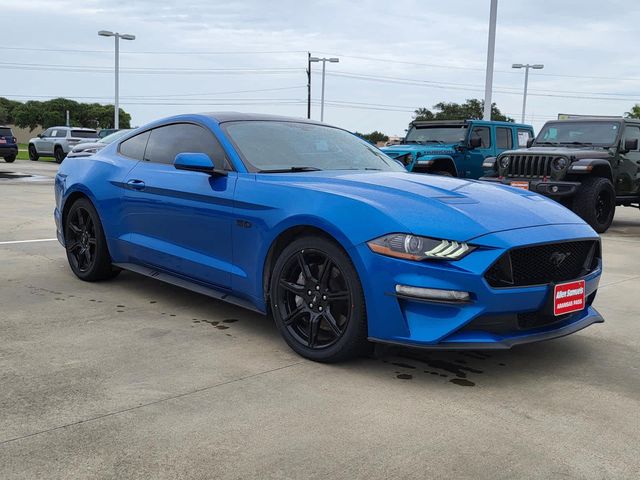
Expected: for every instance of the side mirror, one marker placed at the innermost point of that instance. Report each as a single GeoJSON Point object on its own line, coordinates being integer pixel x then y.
{"type": "Point", "coordinates": [475, 142]}
{"type": "Point", "coordinates": [197, 162]}
{"type": "Point", "coordinates": [39, 135]}
{"type": "Point", "coordinates": [630, 144]}
{"type": "Point", "coordinates": [530, 142]}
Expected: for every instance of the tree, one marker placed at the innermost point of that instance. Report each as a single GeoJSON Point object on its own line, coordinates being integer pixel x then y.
{"type": "Point", "coordinates": [373, 137]}
{"type": "Point", "coordinates": [53, 112]}
{"type": "Point", "coordinates": [6, 109]}
{"type": "Point", "coordinates": [471, 109]}
{"type": "Point", "coordinates": [634, 112]}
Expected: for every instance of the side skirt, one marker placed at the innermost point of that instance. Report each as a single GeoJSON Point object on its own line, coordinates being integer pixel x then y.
{"type": "Point", "coordinates": [189, 285]}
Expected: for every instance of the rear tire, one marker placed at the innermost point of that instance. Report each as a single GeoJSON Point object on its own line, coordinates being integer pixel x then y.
{"type": "Point", "coordinates": [59, 154]}
{"type": "Point", "coordinates": [329, 324]}
{"type": "Point", "coordinates": [33, 153]}
{"type": "Point", "coordinates": [85, 243]}
{"type": "Point", "coordinates": [595, 202]}
{"type": "Point", "coordinates": [10, 159]}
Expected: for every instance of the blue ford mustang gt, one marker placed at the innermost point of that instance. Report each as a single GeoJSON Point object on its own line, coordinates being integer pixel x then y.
{"type": "Point", "coordinates": [333, 238]}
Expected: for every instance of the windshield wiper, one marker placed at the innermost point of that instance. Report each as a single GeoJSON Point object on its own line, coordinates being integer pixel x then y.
{"type": "Point", "coordinates": [419, 142]}
{"type": "Point", "coordinates": [291, 169]}
{"type": "Point", "coordinates": [546, 143]}
{"type": "Point", "coordinates": [433, 141]}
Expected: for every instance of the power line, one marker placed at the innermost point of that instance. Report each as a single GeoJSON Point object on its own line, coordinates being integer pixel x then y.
{"type": "Point", "coordinates": [155, 52]}
{"type": "Point", "coordinates": [453, 86]}
{"type": "Point", "coordinates": [157, 96]}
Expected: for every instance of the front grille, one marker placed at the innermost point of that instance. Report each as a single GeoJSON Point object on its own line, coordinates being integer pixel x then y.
{"type": "Point", "coordinates": [542, 264]}
{"type": "Point", "coordinates": [530, 166]}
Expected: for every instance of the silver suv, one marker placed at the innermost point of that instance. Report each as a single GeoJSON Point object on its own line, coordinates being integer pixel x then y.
{"type": "Point", "coordinates": [56, 142]}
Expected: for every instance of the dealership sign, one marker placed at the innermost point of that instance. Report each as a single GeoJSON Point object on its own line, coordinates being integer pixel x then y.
{"type": "Point", "coordinates": [568, 297]}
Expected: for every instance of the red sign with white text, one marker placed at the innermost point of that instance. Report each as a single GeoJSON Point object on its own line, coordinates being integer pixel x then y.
{"type": "Point", "coordinates": [568, 297]}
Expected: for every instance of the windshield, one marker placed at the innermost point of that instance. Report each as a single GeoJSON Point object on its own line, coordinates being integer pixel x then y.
{"type": "Point", "coordinates": [114, 136]}
{"type": "Point", "coordinates": [436, 134]}
{"type": "Point", "coordinates": [274, 145]}
{"type": "Point", "coordinates": [602, 134]}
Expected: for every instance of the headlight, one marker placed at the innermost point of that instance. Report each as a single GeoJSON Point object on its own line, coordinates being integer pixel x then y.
{"type": "Point", "coordinates": [413, 247]}
{"type": "Point", "coordinates": [90, 150]}
{"type": "Point", "coordinates": [504, 162]}
{"type": "Point", "coordinates": [559, 163]}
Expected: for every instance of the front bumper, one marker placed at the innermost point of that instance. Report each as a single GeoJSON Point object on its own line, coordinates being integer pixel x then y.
{"type": "Point", "coordinates": [437, 325]}
{"type": "Point", "coordinates": [546, 187]}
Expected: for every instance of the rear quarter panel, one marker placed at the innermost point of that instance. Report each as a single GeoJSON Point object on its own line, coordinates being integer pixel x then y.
{"type": "Point", "coordinates": [100, 178]}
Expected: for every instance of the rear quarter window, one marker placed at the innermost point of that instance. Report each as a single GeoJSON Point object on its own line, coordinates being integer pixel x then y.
{"type": "Point", "coordinates": [523, 137]}
{"type": "Point", "coordinates": [134, 147]}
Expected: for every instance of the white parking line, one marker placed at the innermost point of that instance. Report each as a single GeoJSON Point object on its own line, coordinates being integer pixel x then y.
{"type": "Point", "coordinates": [29, 241]}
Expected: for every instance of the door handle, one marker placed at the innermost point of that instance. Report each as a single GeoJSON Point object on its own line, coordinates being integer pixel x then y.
{"type": "Point", "coordinates": [136, 184]}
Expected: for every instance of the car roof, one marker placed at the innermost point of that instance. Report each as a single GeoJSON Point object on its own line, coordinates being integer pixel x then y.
{"type": "Point", "coordinates": [75, 128]}
{"type": "Point", "coordinates": [500, 123]}
{"type": "Point", "coordinates": [592, 119]}
{"type": "Point", "coordinates": [222, 117]}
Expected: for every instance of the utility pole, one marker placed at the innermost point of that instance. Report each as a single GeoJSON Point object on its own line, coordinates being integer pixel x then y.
{"type": "Point", "coordinates": [488, 83]}
{"type": "Point", "coordinates": [309, 85]}
{"type": "Point", "coordinates": [117, 36]}
{"type": "Point", "coordinates": [526, 67]}
{"type": "Point", "coordinates": [324, 63]}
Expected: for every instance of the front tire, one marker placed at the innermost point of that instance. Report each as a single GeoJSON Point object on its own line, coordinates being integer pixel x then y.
{"type": "Point", "coordinates": [33, 153]}
{"type": "Point", "coordinates": [317, 301]}
{"type": "Point", "coordinates": [595, 202]}
{"type": "Point", "coordinates": [86, 245]}
{"type": "Point", "coordinates": [10, 158]}
{"type": "Point", "coordinates": [59, 154]}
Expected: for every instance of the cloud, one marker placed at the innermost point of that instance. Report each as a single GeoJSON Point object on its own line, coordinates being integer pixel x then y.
{"type": "Point", "coordinates": [439, 42]}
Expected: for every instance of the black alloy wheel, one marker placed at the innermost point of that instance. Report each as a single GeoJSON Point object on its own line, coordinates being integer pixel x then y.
{"type": "Point", "coordinates": [33, 153]}
{"type": "Point", "coordinates": [604, 204]}
{"type": "Point", "coordinates": [59, 154]}
{"type": "Point", "coordinates": [81, 241]}
{"type": "Point", "coordinates": [85, 242]}
{"type": "Point", "coordinates": [595, 202]}
{"type": "Point", "coordinates": [317, 301]}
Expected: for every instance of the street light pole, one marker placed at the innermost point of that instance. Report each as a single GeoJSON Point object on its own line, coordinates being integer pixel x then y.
{"type": "Point", "coordinates": [488, 82]}
{"type": "Point", "coordinates": [309, 85]}
{"type": "Point", "coordinates": [117, 36]}
{"type": "Point", "coordinates": [324, 62]}
{"type": "Point", "coordinates": [526, 67]}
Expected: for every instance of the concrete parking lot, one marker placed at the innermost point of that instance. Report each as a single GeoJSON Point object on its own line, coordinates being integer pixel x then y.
{"type": "Point", "coordinates": [133, 378]}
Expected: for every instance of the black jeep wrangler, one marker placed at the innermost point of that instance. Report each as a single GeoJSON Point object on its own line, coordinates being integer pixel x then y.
{"type": "Point", "coordinates": [588, 165]}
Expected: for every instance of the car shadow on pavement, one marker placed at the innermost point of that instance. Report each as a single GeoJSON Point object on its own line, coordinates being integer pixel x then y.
{"type": "Point", "coordinates": [463, 368]}
{"type": "Point", "coordinates": [469, 368]}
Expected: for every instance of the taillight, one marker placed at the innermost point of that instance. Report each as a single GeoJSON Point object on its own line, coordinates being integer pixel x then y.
{"type": "Point", "coordinates": [15, 140]}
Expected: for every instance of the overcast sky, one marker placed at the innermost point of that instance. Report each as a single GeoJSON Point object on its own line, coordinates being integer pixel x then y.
{"type": "Point", "coordinates": [395, 56]}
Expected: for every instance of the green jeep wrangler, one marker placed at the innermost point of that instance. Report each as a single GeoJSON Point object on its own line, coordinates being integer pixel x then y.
{"type": "Point", "coordinates": [588, 165]}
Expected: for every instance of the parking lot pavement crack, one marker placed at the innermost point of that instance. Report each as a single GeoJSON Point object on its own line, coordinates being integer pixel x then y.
{"type": "Point", "coordinates": [155, 402]}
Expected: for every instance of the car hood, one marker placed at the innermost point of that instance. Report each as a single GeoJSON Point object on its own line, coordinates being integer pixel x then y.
{"type": "Point", "coordinates": [420, 150]}
{"type": "Point", "coordinates": [435, 205]}
{"type": "Point", "coordinates": [570, 152]}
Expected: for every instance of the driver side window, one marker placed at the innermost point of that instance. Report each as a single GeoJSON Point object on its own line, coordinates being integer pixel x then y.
{"type": "Point", "coordinates": [47, 132]}
{"type": "Point", "coordinates": [484, 134]}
